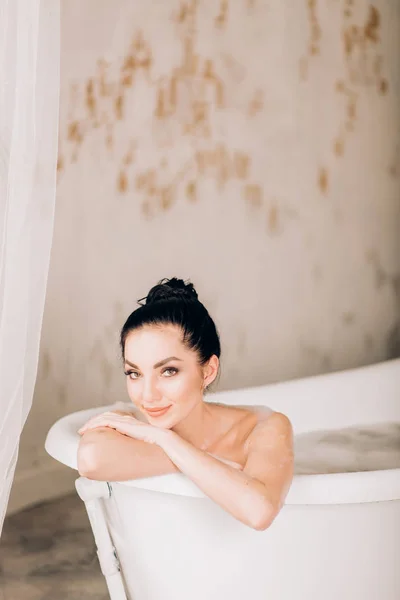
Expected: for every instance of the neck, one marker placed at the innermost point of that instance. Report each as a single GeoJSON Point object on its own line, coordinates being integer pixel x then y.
{"type": "Point", "coordinates": [199, 427]}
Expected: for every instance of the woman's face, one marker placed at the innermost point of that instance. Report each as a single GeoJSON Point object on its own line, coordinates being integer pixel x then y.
{"type": "Point", "coordinates": [164, 379]}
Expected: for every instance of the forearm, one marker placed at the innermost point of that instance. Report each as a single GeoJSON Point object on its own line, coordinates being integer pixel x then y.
{"type": "Point", "coordinates": [106, 455]}
{"type": "Point", "coordinates": [236, 492]}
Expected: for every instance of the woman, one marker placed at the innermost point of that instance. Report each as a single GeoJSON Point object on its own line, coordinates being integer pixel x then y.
{"type": "Point", "coordinates": [240, 457]}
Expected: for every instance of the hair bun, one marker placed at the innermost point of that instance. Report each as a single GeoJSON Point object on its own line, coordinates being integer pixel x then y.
{"type": "Point", "coordinates": [171, 288]}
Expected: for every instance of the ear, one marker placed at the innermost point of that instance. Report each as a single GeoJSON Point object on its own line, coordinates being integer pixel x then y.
{"type": "Point", "coordinates": [211, 370]}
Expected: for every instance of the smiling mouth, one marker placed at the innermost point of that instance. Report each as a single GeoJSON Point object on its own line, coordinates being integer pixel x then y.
{"type": "Point", "coordinates": [157, 412]}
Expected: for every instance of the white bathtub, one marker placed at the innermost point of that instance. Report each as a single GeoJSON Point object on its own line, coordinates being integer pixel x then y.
{"type": "Point", "coordinates": [337, 537]}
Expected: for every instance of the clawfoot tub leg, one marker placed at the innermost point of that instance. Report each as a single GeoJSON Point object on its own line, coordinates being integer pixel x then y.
{"type": "Point", "coordinates": [92, 492]}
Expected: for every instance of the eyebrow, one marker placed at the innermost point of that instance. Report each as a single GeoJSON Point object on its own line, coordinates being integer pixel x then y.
{"type": "Point", "coordinates": [157, 365]}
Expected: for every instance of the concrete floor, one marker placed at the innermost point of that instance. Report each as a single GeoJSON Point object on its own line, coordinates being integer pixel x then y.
{"type": "Point", "coordinates": [47, 552]}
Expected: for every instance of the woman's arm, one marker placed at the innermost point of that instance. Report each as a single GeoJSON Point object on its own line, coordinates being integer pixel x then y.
{"type": "Point", "coordinates": [253, 496]}
{"type": "Point", "coordinates": [107, 455]}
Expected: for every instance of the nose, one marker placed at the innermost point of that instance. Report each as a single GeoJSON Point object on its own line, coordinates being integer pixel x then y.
{"type": "Point", "coordinates": [150, 392]}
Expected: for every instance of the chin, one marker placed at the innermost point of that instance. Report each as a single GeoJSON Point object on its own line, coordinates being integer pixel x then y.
{"type": "Point", "coordinates": [167, 423]}
{"type": "Point", "coordinates": [164, 425]}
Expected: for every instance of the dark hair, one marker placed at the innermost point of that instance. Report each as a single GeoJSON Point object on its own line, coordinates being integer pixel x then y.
{"type": "Point", "coordinates": [174, 302]}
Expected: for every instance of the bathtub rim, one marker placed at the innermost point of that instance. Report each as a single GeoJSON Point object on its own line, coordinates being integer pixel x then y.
{"type": "Point", "coordinates": [319, 489]}
{"type": "Point", "coordinates": [327, 488]}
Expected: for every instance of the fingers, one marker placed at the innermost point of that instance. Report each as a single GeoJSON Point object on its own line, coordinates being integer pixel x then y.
{"type": "Point", "coordinates": [92, 423]}
{"type": "Point", "coordinates": [96, 426]}
{"type": "Point", "coordinates": [95, 420]}
{"type": "Point", "coordinates": [122, 413]}
{"type": "Point", "coordinates": [108, 419]}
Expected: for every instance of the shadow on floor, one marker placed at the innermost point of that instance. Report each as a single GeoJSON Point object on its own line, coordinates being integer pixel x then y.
{"type": "Point", "coordinates": [47, 552]}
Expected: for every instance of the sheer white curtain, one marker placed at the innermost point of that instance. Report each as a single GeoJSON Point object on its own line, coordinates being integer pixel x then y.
{"type": "Point", "coordinates": [29, 103]}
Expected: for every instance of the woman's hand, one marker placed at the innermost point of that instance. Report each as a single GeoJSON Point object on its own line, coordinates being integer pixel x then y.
{"type": "Point", "coordinates": [127, 424]}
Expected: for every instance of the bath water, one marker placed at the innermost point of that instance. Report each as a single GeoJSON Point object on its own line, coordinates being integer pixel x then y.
{"type": "Point", "coordinates": [352, 449]}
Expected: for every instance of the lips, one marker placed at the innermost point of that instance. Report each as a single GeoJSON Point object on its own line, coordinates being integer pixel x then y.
{"type": "Point", "coordinates": [157, 412]}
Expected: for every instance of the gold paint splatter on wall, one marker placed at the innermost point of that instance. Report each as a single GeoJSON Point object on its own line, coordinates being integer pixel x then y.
{"type": "Point", "coordinates": [187, 11]}
{"type": "Point", "coordinates": [75, 132]}
{"type": "Point", "coordinates": [253, 195]}
{"type": "Point", "coordinates": [256, 104]}
{"type": "Point", "coordinates": [223, 165]}
{"type": "Point", "coordinates": [241, 165]}
{"type": "Point", "coordinates": [191, 191]}
{"type": "Point", "coordinates": [372, 26]}
{"type": "Point", "coordinates": [122, 182]}
{"type": "Point", "coordinates": [129, 157]}
{"type": "Point", "coordinates": [90, 99]}
{"type": "Point", "coordinates": [104, 88]}
{"type": "Point", "coordinates": [186, 99]}
{"type": "Point", "coordinates": [347, 12]}
{"type": "Point", "coordinates": [351, 98]}
{"type": "Point", "coordinates": [383, 87]}
{"type": "Point", "coordinates": [105, 99]}
{"type": "Point", "coordinates": [166, 197]}
{"type": "Point", "coordinates": [363, 69]}
{"type": "Point", "coordinates": [363, 66]}
{"type": "Point", "coordinates": [278, 215]}
{"type": "Point", "coordinates": [315, 28]}
{"type": "Point", "coordinates": [339, 146]}
{"type": "Point", "coordinates": [314, 40]}
{"type": "Point", "coordinates": [221, 18]}
{"type": "Point", "coordinates": [364, 63]}
{"type": "Point", "coordinates": [215, 81]}
{"type": "Point", "coordinates": [323, 180]}
{"type": "Point", "coordinates": [158, 194]}
{"type": "Point", "coordinates": [119, 107]}
{"type": "Point", "coordinates": [199, 125]}
{"type": "Point", "coordinates": [272, 220]}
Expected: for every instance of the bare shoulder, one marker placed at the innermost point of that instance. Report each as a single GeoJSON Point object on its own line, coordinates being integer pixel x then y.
{"type": "Point", "coordinates": [271, 431]}
{"type": "Point", "coordinates": [276, 420]}
{"type": "Point", "coordinates": [270, 457]}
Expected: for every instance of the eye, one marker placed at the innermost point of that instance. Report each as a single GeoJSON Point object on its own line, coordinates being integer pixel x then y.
{"type": "Point", "coordinates": [132, 374]}
{"type": "Point", "coordinates": [170, 371]}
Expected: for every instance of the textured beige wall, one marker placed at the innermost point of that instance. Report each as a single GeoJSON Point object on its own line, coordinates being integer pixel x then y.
{"type": "Point", "coordinates": [252, 146]}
